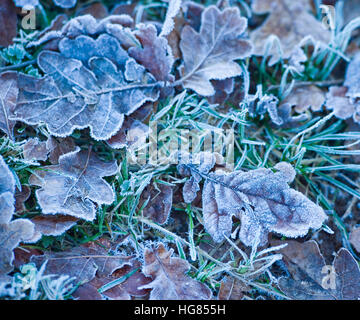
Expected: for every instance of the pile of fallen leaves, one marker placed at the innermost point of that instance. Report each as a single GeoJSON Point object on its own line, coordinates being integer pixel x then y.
{"type": "Point", "coordinates": [78, 95]}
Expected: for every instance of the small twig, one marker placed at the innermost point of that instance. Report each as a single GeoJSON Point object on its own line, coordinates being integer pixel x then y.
{"type": "Point", "coordinates": [18, 66]}
{"type": "Point", "coordinates": [297, 84]}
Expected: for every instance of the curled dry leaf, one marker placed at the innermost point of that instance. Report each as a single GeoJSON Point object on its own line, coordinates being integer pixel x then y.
{"type": "Point", "coordinates": [72, 96]}
{"type": "Point", "coordinates": [169, 279]}
{"type": "Point", "coordinates": [210, 54]}
{"type": "Point", "coordinates": [8, 95]}
{"type": "Point", "coordinates": [74, 185]}
{"type": "Point", "coordinates": [313, 279]}
{"type": "Point", "coordinates": [159, 204]}
{"type": "Point", "coordinates": [262, 200]}
{"type": "Point", "coordinates": [291, 21]}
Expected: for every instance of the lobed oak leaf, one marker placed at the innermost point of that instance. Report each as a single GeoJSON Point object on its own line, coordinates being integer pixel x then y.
{"type": "Point", "coordinates": [262, 200]}
{"type": "Point", "coordinates": [210, 54]}
{"type": "Point", "coordinates": [290, 21]}
{"type": "Point", "coordinates": [169, 279]}
{"type": "Point", "coordinates": [74, 185]}
{"type": "Point", "coordinates": [8, 95]}
{"type": "Point", "coordinates": [313, 279]}
{"type": "Point", "coordinates": [154, 53]}
{"type": "Point", "coordinates": [72, 96]}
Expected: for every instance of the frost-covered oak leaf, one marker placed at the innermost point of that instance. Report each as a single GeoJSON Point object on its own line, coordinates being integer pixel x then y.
{"type": "Point", "coordinates": [154, 53]}
{"type": "Point", "coordinates": [73, 96]}
{"type": "Point", "coordinates": [8, 95]}
{"type": "Point", "coordinates": [312, 279]}
{"type": "Point", "coordinates": [290, 21]}
{"type": "Point", "coordinates": [74, 185]}
{"type": "Point", "coordinates": [169, 279]}
{"type": "Point", "coordinates": [262, 199]}
{"type": "Point", "coordinates": [210, 54]}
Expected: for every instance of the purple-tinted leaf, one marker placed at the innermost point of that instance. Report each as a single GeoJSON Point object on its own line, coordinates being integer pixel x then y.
{"type": "Point", "coordinates": [313, 279]}
{"type": "Point", "coordinates": [154, 54]}
{"type": "Point", "coordinates": [290, 21]}
{"type": "Point", "coordinates": [8, 21]}
{"type": "Point", "coordinates": [159, 202]}
{"type": "Point", "coordinates": [51, 226]}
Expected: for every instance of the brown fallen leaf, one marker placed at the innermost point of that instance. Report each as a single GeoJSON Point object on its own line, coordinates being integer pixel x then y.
{"type": "Point", "coordinates": [8, 22]}
{"type": "Point", "coordinates": [51, 226]}
{"type": "Point", "coordinates": [160, 199]}
{"type": "Point", "coordinates": [313, 279]}
{"type": "Point", "coordinates": [232, 289]}
{"type": "Point", "coordinates": [169, 279]}
{"type": "Point", "coordinates": [291, 21]}
{"type": "Point", "coordinates": [21, 197]}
